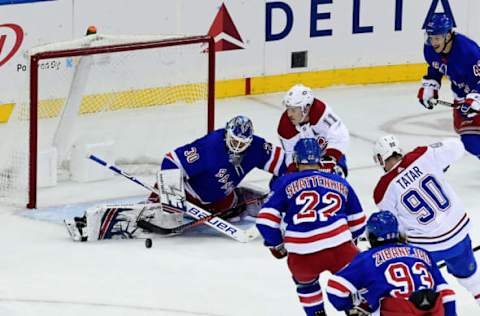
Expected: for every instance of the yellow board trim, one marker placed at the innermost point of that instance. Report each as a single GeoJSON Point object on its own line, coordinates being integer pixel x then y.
{"type": "Point", "coordinates": [190, 93]}
{"type": "Point", "coordinates": [5, 111]}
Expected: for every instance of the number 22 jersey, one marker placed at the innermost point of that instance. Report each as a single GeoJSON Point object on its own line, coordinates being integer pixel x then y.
{"type": "Point", "coordinates": [429, 212]}
{"type": "Point", "coordinates": [320, 210]}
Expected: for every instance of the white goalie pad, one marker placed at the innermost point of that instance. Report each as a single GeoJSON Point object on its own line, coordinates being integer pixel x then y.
{"type": "Point", "coordinates": [171, 190]}
{"type": "Point", "coordinates": [118, 221]}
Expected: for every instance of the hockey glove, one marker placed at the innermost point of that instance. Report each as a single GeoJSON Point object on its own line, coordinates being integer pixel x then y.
{"type": "Point", "coordinates": [278, 251]}
{"type": "Point", "coordinates": [471, 106]}
{"type": "Point", "coordinates": [329, 164]}
{"type": "Point", "coordinates": [428, 92]}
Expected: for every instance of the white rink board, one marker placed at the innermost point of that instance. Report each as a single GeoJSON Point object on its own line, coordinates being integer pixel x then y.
{"type": "Point", "coordinates": [385, 44]}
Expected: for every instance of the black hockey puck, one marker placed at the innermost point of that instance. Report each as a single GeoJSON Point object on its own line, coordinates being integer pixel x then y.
{"type": "Point", "coordinates": [148, 243]}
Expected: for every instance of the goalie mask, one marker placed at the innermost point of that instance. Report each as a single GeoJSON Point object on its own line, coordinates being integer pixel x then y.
{"type": "Point", "coordinates": [238, 134]}
{"type": "Point", "coordinates": [384, 148]}
{"type": "Point", "coordinates": [301, 97]}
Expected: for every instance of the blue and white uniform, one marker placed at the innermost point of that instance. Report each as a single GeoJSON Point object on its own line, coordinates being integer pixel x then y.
{"type": "Point", "coordinates": [321, 211]}
{"type": "Point", "coordinates": [461, 65]}
{"type": "Point", "coordinates": [322, 215]}
{"type": "Point", "coordinates": [389, 271]}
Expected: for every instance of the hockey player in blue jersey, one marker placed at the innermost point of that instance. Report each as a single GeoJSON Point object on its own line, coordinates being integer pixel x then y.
{"type": "Point", "coordinates": [456, 57]}
{"type": "Point", "coordinates": [214, 165]}
{"type": "Point", "coordinates": [394, 279]}
{"type": "Point", "coordinates": [322, 215]}
{"type": "Point", "coordinates": [205, 172]}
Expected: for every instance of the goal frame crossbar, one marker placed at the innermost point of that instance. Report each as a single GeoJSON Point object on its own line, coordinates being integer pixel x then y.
{"type": "Point", "coordinates": [112, 48]}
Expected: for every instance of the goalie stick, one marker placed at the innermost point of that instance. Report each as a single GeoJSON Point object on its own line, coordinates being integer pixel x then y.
{"type": "Point", "coordinates": [192, 210]}
{"type": "Point", "coordinates": [180, 229]}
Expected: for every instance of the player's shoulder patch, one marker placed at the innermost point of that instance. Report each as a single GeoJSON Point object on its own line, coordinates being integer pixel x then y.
{"type": "Point", "coordinates": [476, 68]}
{"type": "Point", "coordinates": [191, 155]}
{"type": "Point", "coordinates": [268, 147]}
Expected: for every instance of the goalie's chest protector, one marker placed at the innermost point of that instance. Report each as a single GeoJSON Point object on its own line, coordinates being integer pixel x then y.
{"type": "Point", "coordinates": [207, 163]}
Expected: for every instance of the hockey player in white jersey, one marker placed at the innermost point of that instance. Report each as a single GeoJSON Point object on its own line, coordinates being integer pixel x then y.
{"type": "Point", "coordinates": [308, 117]}
{"type": "Point", "coordinates": [430, 213]}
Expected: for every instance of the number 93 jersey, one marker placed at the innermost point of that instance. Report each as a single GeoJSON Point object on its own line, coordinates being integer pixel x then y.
{"type": "Point", "coordinates": [428, 210]}
{"type": "Point", "coordinates": [320, 210]}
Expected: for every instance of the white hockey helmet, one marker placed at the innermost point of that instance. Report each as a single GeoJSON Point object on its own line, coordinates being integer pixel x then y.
{"type": "Point", "coordinates": [298, 96]}
{"type": "Point", "coordinates": [384, 148]}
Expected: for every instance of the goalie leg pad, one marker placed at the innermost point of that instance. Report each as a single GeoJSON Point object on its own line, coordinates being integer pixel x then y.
{"type": "Point", "coordinates": [111, 222]}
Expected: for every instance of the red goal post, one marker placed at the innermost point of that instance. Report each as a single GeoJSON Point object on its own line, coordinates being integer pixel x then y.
{"type": "Point", "coordinates": [45, 53]}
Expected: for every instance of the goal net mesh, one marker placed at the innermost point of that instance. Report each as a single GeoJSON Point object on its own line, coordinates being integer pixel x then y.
{"type": "Point", "coordinates": [131, 104]}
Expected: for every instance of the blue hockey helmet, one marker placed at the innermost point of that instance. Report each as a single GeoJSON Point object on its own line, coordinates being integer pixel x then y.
{"type": "Point", "coordinates": [307, 151]}
{"type": "Point", "coordinates": [382, 226]}
{"type": "Point", "coordinates": [439, 24]}
{"type": "Point", "coordinates": [238, 134]}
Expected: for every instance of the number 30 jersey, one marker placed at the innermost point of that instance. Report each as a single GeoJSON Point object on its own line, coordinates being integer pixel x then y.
{"type": "Point", "coordinates": [429, 212]}
{"type": "Point", "coordinates": [320, 210]}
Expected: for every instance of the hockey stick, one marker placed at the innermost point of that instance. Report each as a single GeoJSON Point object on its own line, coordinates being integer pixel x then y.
{"type": "Point", "coordinates": [180, 229]}
{"type": "Point", "coordinates": [444, 264]}
{"type": "Point", "coordinates": [122, 173]}
{"type": "Point", "coordinates": [450, 105]}
{"type": "Point", "coordinates": [192, 210]}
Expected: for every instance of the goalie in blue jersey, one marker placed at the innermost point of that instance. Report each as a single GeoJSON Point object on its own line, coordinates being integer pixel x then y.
{"type": "Point", "coordinates": [205, 172]}
{"type": "Point", "coordinates": [392, 278]}
{"type": "Point", "coordinates": [213, 166]}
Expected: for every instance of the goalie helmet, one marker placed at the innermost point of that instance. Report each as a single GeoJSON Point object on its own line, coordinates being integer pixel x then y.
{"type": "Point", "coordinates": [382, 226]}
{"type": "Point", "coordinates": [307, 151]}
{"type": "Point", "coordinates": [384, 148]}
{"type": "Point", "coordinates": [238, 134]}
{"type": "Point", "coordinates": [299, 96]}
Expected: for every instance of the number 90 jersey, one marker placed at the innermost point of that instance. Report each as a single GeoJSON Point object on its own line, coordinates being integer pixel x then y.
{"type": "Point", "coordinates": [416, 191]}
{"type": "Point", "coordinates": [320, 210]}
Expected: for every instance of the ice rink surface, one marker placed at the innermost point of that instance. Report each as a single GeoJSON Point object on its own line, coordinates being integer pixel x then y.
{"type": "Point", "coordinates": [42, 272]}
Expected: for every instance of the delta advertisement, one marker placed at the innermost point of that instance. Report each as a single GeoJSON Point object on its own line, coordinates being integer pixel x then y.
{"type": "Point", "coordinates": [253, 39]}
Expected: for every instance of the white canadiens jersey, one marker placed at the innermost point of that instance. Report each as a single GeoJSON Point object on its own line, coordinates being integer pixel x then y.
{"type": "Point", "coordinates": [323, 122]}
{"type": "Point", "coordinates": [429, 212]}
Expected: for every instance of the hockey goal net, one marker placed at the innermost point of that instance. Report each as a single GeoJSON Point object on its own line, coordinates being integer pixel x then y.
{"type": "Point", "coordinates": [129, 98]}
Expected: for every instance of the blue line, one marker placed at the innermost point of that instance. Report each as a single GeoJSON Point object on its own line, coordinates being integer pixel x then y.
{"type": "Point", "coordinates": [7, 2]}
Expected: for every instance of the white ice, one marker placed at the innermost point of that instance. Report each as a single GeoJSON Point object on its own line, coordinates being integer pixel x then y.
{"type": "Point", "coordinates": [42, 272]}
